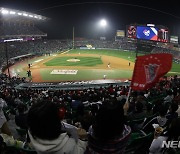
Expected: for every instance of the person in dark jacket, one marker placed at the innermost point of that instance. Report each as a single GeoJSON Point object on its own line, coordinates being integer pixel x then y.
{"type": "Point", "coordinates": [21, 117]}
{"type": "Point", "coordinates": [108, 134]}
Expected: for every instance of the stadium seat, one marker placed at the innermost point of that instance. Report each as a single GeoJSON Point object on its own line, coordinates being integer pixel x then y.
{"type": "Point", "coordinates": [28, 151]}
{"type": "Point", "coordinates": [7, 114]}
{"type": "Point", "coordinates": [12, 150]}
{"type": "Point", "coordinates": [22, 133]}
{"type": "Point", "coordinates": [136, 124]}
{"type": "Point", "coordinates": [138, 143]}
{"type": "Point", "coordinates": [148, 119]}
{"type": "Point", "coordinates": [171, 151]}
{"type": "Point", "coordinates": [17, 150]}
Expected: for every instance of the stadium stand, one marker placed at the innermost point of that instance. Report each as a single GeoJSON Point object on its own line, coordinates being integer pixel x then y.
{"type": "Point", "coordinates": [89, 103]}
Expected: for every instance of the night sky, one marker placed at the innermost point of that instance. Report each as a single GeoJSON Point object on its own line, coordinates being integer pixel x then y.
{"type": "Point", "coordinates": [85, 15]}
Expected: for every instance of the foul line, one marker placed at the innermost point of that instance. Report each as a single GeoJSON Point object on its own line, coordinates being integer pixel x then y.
{"type": "Point", "coordinates": [174, 72]}
{"type": "Point", "coordinates": [65, 52]}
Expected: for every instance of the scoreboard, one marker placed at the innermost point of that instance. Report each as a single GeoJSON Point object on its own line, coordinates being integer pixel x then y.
{"type": "Point", "coordinates": [131, 32]}
{"type": "Point", "coordinates": [120, 33]}
{"type": "Point", "coordinates": [147, 33]}
{"type": "Point", "coordinates": [143, 32]}
{"type": "Point", "coordinates": [163, 35]}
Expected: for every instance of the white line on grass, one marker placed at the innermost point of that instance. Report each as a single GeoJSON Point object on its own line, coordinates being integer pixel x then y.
{"type": "Point", "coordinates": [174, 72]}
{"type": "Point", "coordinates": [65, 52]}
{"type": "Point", "coordinates": [38, 60]}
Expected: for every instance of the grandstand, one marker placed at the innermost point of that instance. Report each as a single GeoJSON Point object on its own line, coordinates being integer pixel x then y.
{"type": "Point", "coordinates": [19, 24]}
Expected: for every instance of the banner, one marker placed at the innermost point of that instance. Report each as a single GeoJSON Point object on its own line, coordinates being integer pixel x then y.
{"type": "Point", "coordinates": [149, 68]}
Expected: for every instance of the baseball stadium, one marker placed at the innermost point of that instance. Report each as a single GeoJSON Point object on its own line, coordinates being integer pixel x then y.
{"type": "Point", "coordinates": [78, 59]}
{"type": "Point", "coordinates": [81, 64]}
{"type": "Point", "coordinates": [87, 95]}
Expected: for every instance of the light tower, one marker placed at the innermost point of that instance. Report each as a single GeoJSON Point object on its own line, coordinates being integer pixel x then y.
{"type": "Point", "coordinates": [103, 25]}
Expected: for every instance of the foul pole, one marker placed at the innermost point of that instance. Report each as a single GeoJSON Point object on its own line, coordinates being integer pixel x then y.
{"type": "Point", "coordinates": [73, 39]}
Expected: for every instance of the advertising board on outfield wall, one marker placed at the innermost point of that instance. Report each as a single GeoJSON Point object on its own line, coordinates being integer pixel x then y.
{"type": "Point", "coordinates": [120, 33]}
{"type": "Point", "coordinates": [174, 39]}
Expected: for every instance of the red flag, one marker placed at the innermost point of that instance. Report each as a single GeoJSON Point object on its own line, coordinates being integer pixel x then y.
{"type": "Point", "coordinates": [149, 68]}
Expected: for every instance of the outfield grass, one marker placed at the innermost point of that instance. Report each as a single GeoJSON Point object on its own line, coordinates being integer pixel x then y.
{"type": "Point", "coordinates": [128, 55]}
{"type": "Point", "coordinates": [175, 67]}
{"type": "Point", "coordinates": [84, 61]}
{"type": "Point", "coordinates": [87, 74]}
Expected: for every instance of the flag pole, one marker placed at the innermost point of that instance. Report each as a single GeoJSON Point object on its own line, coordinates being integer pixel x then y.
{"type": "Point", "coordinates": [128, 94]}
{"type": "Point", "coordinates": [126, 105]}
{"type": "Point", "coordinates": [7, 58]}
{"type": "Point", "coordinates": [137, 48]}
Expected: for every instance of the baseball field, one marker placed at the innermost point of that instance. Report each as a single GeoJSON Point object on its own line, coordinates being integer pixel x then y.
{"type": "Point", "coordinates": [76, 65]}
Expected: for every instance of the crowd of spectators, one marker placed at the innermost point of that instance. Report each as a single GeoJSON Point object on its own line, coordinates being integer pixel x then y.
{"type": "Point", "coordinates": [19, 29]}
{"type": "Point", "coordinates": [36, 47]}
{"type": "Point", "coordinates": [176, 54]}
{"type": "Point", "coordinates": [44, 46]}
{"type": "Point", "coordinates": [90, 120]}
{"type": "Point", "coordinates": [122, 43]}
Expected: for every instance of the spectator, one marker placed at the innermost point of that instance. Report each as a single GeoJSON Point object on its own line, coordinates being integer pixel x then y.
{"type": "Point", "coordinates": [21, 117]}
{"type": "Point", "coordinates": [108, 134]}
{"type": "Point", "coordinates": [3, 122]}
{"type": "Point", "coordinates": [138, 113]}
{"type": "Point", "coordinates": [172, 114]}
{"type": "Point", "coordinates": [161, 120]}
{"type": "Point", "coordinates": [177, 97]}
{"type": "Point", "coordinates": [149, 111]}
{"type": "Point", "coordinates": [169, 97]}
{"type": "Point", "coordinates": [45, 131]}
{"type": "Point", "coordinates": [172, 134]}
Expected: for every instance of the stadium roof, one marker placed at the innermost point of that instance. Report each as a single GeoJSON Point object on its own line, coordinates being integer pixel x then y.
{"type": "Point", "coordinates": [7, 12]}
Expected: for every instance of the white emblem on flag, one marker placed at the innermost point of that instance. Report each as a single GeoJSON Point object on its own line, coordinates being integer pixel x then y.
{"type": "Point", "coordinates": [151, 72]}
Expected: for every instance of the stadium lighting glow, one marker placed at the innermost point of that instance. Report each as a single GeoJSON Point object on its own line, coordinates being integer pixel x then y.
{"type": "Point", "coordinates": [25, 14]}
{"type": "Point", "coordinates": [103, 23]}
{"type": "Point", "coordinates": [19, 13]}
{"type": "Point", "coordinates": [151, 25]}
{"type": "Point", "coordinates": [12, 12]}
{"type": "Point", "coordinates": [5, 12]}
{"type": "Point", "coordinates": [12, 40]}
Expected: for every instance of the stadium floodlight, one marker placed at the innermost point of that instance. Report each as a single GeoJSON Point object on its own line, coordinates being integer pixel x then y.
{"type": "Point", "coordinates": [19, 13]}
{"type": "Point", "coordinates": [103, 23]}
{"type": "Point", "coordinates": [12, 12]}
{"type": "Point", "coordinates": [151, 25]}
{"type": "Point", "coordinates": [25, 14]}
{"type": "Point", "coordinates": [13, 40]}
{"type": "Point", "coordinates": [5, 12]}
